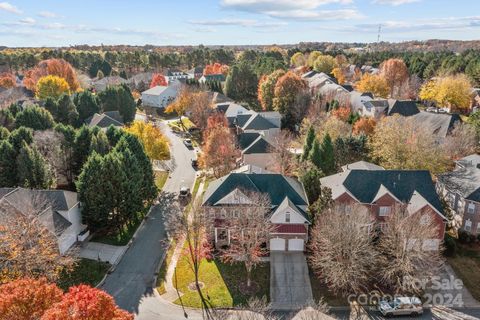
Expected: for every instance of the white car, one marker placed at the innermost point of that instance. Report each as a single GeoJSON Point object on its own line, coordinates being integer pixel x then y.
{"type": "Point", "coordinates": [188, 143]}
{"type": "Point", "coordinates": [411, 306]}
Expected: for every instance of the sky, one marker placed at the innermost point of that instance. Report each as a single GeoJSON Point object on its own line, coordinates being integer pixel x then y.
{"type": "Point", "coordinates": [36, 23]}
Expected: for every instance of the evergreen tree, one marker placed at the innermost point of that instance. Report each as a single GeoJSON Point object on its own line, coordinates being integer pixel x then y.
{"type": "Point", "coordinates": [241, 83]}
{"type": "Point", "coordinates": [114, 134]}
{"type": "Point", "coordinates": [81, 148]}
{"type": "Point", "coordinates": [87, 105]}
{"type": "Point", "coordinates": [8, 168]}
{"type": "Point", "coordinates": [309, 139]}
{"type": "Point", "coordinates": [99, 143]}
{"type": "Point", "coordinates": [20, 135]}
{"type": "Point", "coordinates": [311, 183]}
{"type": "Point", "coordinates": [327, 162]}
{"type": "Point", "coordinates": [32, 169]}
{"type": "Point", "coordinates": [34, 117]}
{"type": "Point", "coordinates": [127, 106]}
{"type": "Point", "coordinates": [316, 154]}
{"type": "Point", "coordinates": [67, 111]}
{"type": "Point", "coordinates": [4, 133]}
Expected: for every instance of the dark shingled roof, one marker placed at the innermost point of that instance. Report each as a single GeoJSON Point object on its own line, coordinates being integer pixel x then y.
{"type": "Point", "coordinates": [105, 120]}
{"type": "Point", "coordinates": [404, 108]}
{"type": "Point", "coordinates": [260, 145]}
{"type": "Point", "coordinates": [276, 186]}
{"type": "Point", "coordinates": [364, 185]}
{"type": "Point", "coordinates": [247, 138]}
{"type": "Point", "coordinates": [257, 122]}
{"type": "Point", "coordinates": [439, 124]}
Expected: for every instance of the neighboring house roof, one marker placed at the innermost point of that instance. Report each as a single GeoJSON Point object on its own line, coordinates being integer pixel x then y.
{"type": "Point", "coordinates": [258, 122]}
{"type": "Point", "coordinates": [260, 145]}
{"type": "Point", "coordinates": [105, 120]}
{"type": "Point", "coordinates": [214, 77]}
{"type": "Point", "coordinates": [103, 83]}
{"type": "Point", "coordinates": [364, 185]}
{"type": "Point", "coordinates": [276, 186]}
{"type": "Point", "coordinates": [465, 179]}
{"type": "Point", "coordinates": [156, 91]}
{"type": "Point", "coordinates": [245, 139]}
{"type": "Point", "coordinates": [195, 70]}
{"type": "Point", "coordinates": [440, 125]}
{"type": "Point", "coordinates": [51, 202]}
{"type": "Point", "coordinates": [361, 165]}
{"type": "Point", "coordinates": [404, 108]}
{"type": "Point", "coordinates": [348, 87]}
{"type": "Point", "coordinates": [286, 204]}
{"type": "Point", "coordinates": [249, 168]}
{"type": "Point", "coordinates": [219, 98]}
{"type": "Point", "coordinates": [309, 74]}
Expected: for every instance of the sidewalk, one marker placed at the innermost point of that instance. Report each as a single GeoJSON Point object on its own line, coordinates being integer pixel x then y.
{"type": "Point", "coordinates": [171, 294]}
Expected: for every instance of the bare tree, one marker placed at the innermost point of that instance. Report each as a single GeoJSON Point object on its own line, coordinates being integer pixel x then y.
{"type": "Point", "coordinates": [254, 309]}
{"type": "Point", "coordinates": [28, 248]}
{"type": "Point", "coordinates": [314, 311]}
{"type": "Point", "coordinates": [461, 142]}
{"type": "Point", "coordinates": [283, 156]}
{"type": "Point", "coordinates": [200, 109]}
{"type": "Point", "coordinates": [249, 232]}
{"type": "Point", "coordinates": [404, 250]}
{"type": "Point", "coordinates": [191, 226]}
{"type": "Point", "coordinates": [342, 240]}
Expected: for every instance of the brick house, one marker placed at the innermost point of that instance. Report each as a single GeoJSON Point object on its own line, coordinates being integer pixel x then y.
{"type": "Point", "coordinates": [461, 189]}
{"type": "Point", "coordinates": [381, 190]}
{"type": "Point", "coordinates": [288, 201]}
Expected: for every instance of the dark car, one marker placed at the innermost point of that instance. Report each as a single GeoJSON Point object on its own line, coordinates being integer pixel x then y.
{"type": "Point", "coordinates": [194, 163]}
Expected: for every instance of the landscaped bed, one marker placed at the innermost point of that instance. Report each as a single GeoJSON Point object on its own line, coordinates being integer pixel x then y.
{"type": "Point", "coordinates": [162, 272]}
{"type": "Point", "coordinates": [321, 291]}
{"type": "Point", "coordinates": [221, 283]}
{"type": "Point", "coordinates": [86, 271]}
{"type": "Point", "coordinates": [466, 264]}
{"type": "Point", "coordinates": [161, 178]}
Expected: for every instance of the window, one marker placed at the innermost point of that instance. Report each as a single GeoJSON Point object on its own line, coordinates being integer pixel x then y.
{"type": "Point", "coordinates": [468, 225]}
{"type": "Point", "coordinates": [471, 208]}
{"type": "Point", "coordinates": [223, 214]}
{"type": "Point", "coordinates": [384, 211]}
{"type": "Point", "coordinates": [424, 219]}
{"type": "Point", "coordinates": [287, 217]}
{"type": "Point", "coordinates": [235, 213]}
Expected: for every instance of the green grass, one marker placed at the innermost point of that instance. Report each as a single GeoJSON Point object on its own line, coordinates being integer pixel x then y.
{"type": "Point", "coordinates": [162, 272]}
{"type": "Point", "coordinates": [161, 178]}
{"type": "Point", "coordinates": [122, 238]}
{"type": "Point", "coordinates": [320, 290]}
{"type": "Point", "coordinates": [466, 264]}
{"type": "Point", "coordinates": [196, 186]}
{"type": "Point", "coordinates": [221, 283]}
{"type": "Point", "coordinates": [177, 125]}
{"type": "Point", "coordinates": [86, 271]}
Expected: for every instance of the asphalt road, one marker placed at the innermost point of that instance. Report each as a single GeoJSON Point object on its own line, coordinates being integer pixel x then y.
{"type": "Point", "coordinates": [131, 283]}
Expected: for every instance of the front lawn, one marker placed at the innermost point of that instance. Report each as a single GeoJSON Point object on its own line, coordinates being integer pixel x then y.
{"type": "Point", "coordinates": [321, 291]}
{"type": "Point", "coordinates": [162, 272]}
{"type": "Point", "coordinates": [178, 126]}
{"type": "Point", "coordinates": [86, 271]}
{"type": "Point", "coordinates": [161, 178]}
{"type": "Point", "coordinates": [466, 264]}
{"type": "Point", "coordinates": [221, 282]}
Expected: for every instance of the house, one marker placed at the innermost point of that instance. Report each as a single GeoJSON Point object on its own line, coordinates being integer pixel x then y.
{"type": "Point", "coordinates": [212, 77]}
{"type": "Point", "coordinates": [175, 75]}
{"type": "Point", "coordinates": [105, 120]}
{"type": "Point", "coordinates": [380, 190]}
{"type": "Point", "coordinates": [439, 124]}
{"type": "Point", "coordinates": [159, 96]}
{"type": "Point", "coordinates": [61, 213]}
{"type": "Point", "coordinates": [287, 213]}
{"type": "Point", "coordinates": [102, 84]}
{"type": "Point", "coordinates": [257, 150]}
{"type": "Point", "coordinates": [406, 108]}
{"type": "Point", "coordinates": [461, 190]}
{"type": "Point", "coordinates": [248, 168]}
{"type": "Point", "coordinates": [195, 73]}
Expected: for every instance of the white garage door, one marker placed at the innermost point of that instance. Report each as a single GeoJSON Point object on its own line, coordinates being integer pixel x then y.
{"type": "Point", "coordinates": [295, 245]}
{"type": "Point", "coordinates": [277, 244]}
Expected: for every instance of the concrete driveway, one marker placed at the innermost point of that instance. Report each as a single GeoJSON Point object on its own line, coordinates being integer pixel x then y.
{"type": "Point", "coordinates": [102, 251]}
{"type": "Point", "coordinates": [289, 281]}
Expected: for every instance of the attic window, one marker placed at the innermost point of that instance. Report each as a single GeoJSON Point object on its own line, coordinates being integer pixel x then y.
{"type": "Point", "coordinates": [287, 217]}
{"type": "Point", "coordinates": [384, 211]}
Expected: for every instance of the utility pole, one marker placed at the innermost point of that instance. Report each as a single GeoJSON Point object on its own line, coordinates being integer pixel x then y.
{"type": "Point", "coordinates": [379, 31]}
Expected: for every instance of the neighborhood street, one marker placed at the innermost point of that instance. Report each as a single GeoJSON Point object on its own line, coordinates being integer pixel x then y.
{"type": "Point", "coordinates": [131, 284]}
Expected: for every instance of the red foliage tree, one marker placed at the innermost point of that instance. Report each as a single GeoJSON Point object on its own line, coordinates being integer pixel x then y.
{"type": "Point", "coordinates": [342, 113]}
{"type": "Point", "coordinates": [7, 80]}
{"type": "Point", "coordinates": [213, 122]}
{"type": "Point", "coordinates": [158, 80]}
{"type": "Point", "coordinates": [216, 68]}
{"type": "Point", "coordinates": [55, 67]}
{"type": "Point", "coordinates": [364, 126]}
{"type": "Point", "coordinates": [27, 299]}
{"type": "Point", "coordinates": [86, 303]}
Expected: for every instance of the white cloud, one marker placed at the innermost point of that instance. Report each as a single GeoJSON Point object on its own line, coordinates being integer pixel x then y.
{"type": "Point", "coordinates": [27, 21]}
{"type": "Point", "coordinates": [239, 22]}
{"type": "Point", "coordinates": [294, 9]}
{"type": "Point", "coordinates": [47, 14]}
{"type": "Point", "coordinates": [10, 8]}
{"type": "Point", "coordinates": [394, 2]}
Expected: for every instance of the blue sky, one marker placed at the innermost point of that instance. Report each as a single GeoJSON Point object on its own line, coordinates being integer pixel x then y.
{"type": "Point", "coordinates": [230, 22]}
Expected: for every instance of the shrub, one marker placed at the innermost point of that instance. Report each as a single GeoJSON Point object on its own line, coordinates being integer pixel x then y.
{"type": "Point", "coordinates": [450, 246]}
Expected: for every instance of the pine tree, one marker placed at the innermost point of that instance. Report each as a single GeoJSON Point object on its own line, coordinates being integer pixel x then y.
{"type": "Point", "coordinates": [327, 158]}
{"type": "Point", "coordinates": [99, 143]}
{"type": "Point", "coordinates": [87, 105]}
{"type": "Point", "coordinates": [34, 117]}
{"type": "Point", "coordinates": [316, 154]}
{"type": "Point", "coordinates": [81, 148]}
{"type": "Point", "coordinates": [114, 134]}
{"type": "Point", "coordinates": [307, 146]}
{"type": "Point", "coordinates": [32, 169]}
{"type": "Point", "coordinates": [67, 111]}
{"type": "Point", "coordinates": [4, 133]}
{"type": "Point", "coordinates": [311, 182]}
{"type": "Point", "coordinates": [8, 169]}
{"type": "Point", "coordinates": [20, 135]}
{"type": "Point", "coordinates": [127, 106]}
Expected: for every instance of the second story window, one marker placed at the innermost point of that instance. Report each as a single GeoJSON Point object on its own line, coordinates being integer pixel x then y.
{"type": "Point", "coordinates": [287, 217]}
{"type": "Point", "coordinates": [468, 225]}
{"type": "Point", "coordinates": [471, 208]}
{"type": "Point", "coordinates": [384, 211]}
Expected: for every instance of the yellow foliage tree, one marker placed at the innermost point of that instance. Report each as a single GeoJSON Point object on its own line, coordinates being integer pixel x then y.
{"type": "Point", "coordinates": [152, 138]}
{"type": "Point", "coordinates": [452, 91]}
{"type": "Point", "coordinates": [339, 75]}
{"type": "Point", "coordinates": [51, 86]}
{"type": "Point", "coordinates": [298, 59]}
{"type": "Point", "coordinates": [312, 57]}
{"type": "Point", "coordinates": [375, 84]}
{"type": "Point", "coordinates": [181, 104]}
{"type": "Point", "coordinates": [324, 63]}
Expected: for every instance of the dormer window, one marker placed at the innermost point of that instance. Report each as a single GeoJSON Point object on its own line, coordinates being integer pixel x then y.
{"type": "Point", "coordinates": [287, 217]}
{"type": "Point", "coordinates": [384, 211]}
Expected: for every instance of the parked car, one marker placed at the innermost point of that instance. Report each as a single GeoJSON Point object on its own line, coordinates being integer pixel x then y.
{"type": "Point", "coordinates": [184, 193]}
{"type": "Point", "coordinates": [188, 143]}
{"type": "Point", "coordinates": [194, 163]}
{"type": "Point", "coordinates": [411, 306]}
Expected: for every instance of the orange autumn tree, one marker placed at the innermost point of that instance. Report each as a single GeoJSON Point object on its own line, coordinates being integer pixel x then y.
{"type": "Point", "coordinates": [158, 80]}
{"type": "Point", "coordinates": [27, 299]}
{"type": "Point", "coordinates": [364, 126]}
{"type": "Point", "coordinates": [395, 72]}
{"type": "Point", "coordinates": [216, 68]}
{"type": "Point", "coordinates": [342, 113]}
{"type": "Point", "coordinates": [54, 67]}
{"type": "Point", "coordinates": [86, 303]}
{"type": "Point", "coordinates": [7, 80]}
